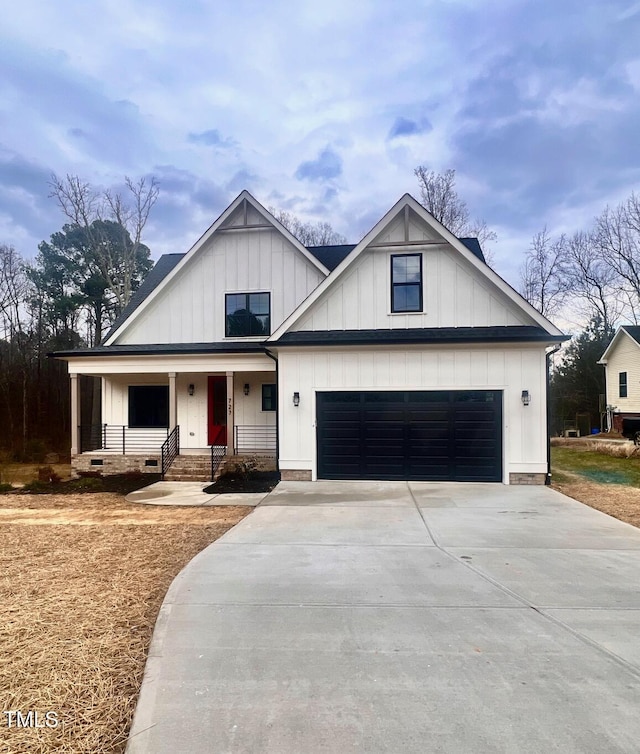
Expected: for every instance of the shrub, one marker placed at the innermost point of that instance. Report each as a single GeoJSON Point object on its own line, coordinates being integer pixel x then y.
{"type": "Point", "coordinates": [37, 486]}
{"type": "Point", "coordinates": [86, 484]}
{"type": "Point", "coordinates": [5, 488]}
{"type": "Point", "coordinates": [34, 451]}
{"type": "Point", "coordinates": [47, 474]}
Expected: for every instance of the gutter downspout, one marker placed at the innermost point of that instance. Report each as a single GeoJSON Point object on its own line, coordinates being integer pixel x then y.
{"type": "Point", "coordinates": [275, 358]}
{"type": "Point", "coordinates": [548, 355]}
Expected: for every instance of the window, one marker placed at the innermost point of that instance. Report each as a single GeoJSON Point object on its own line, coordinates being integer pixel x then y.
{"type": "Point", "coordinates": [149, 406]}
{"type": "Point", "coordinates": [622, 384]}
{"type": "Point", "coordinates": [269, 398]}
{"type": "Point", "coordinates": [406, 283]}
{"type": "Point", "coordinates": [247, 314]}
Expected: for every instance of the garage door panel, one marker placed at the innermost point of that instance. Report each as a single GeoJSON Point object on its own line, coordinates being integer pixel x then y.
{"type": "Point", "coordinates": [416, 435]}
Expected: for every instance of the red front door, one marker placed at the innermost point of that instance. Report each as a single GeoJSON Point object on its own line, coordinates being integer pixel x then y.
{"type": "Point", "coordinates": [217, 411]}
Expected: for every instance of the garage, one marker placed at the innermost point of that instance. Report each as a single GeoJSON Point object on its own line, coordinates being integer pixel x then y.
{"type": "Point", "coordinates": [443, 435]}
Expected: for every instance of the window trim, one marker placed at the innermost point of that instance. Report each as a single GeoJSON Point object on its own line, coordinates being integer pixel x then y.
{"type": "Point", "coordinates": [246, 293]}
{"type": "Point", "coordinates": [275, 397]}
{"type": "Point", "coordinates": [623, 385]}
{"type": "Point", "coordinates": [420, 309]}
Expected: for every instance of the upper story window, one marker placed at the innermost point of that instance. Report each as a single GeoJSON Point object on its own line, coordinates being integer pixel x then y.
{"type": "Point", "coordinates": [622, 384]}
{"type": "Point", "coordinates": [406, 283]}
{"type": "Point", "coordinates": [247, 314]}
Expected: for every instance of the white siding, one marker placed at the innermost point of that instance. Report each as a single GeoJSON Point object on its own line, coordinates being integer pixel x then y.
{"type": "Point", "coordinates": [511, 370]}
{"type": "Point", "coordinates": [625, 357]}
{"type": "Point", "coordinates": [191, 308]}
{"type": "Point", "coordinates": [454, 295]}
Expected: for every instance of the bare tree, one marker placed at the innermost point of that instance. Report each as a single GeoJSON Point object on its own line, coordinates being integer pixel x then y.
{"type": "Point", "coordinates": [617, 234]}
{"type": "Point", "coordinates": [309, 234]}
{"type": "Point", "coordinates": [544, 280]}
{"type": "Point", "coordinates": [591, 279]}
{"type": "Point", "coordinates": [439, 196]}
{"type": "Point", "coordinates": [83, 204]}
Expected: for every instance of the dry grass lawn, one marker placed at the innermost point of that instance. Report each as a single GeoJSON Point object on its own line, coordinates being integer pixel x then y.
{"type": "Point", "coordinates": [618, 500]}
{"type": "Point", "coordinates": [82, 580]}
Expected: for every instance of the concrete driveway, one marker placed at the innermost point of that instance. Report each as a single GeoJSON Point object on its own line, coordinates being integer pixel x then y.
{"type": "Point", "coordinates": [395, 617]}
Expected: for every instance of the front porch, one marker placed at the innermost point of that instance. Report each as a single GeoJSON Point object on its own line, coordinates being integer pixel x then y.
{"type": "Point", "coordinates": [151, 421]}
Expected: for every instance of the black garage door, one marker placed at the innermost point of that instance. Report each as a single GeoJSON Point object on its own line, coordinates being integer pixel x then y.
{"type": "Point", "coordinates": [452, 435]}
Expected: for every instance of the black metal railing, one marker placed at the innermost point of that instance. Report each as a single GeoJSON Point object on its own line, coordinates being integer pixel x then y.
{"type": "Point", "coordinates": [251, 437]}
{"type": "Point", "coordinates": [119, 438]}
{"type": "Point", "coordinates": [218, 452]}
{"type": "Point", "coordinates": [170, 449]}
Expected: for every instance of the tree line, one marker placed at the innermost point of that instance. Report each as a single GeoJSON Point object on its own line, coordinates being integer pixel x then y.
{"type": "Point", "coordinates": [66, 298]}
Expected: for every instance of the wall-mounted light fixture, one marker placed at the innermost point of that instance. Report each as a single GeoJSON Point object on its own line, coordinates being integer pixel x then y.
{"type": "Point", "coordinates": [526, 398]}
{"type": "Point", "coordinates": [296, 399]}
{"type": "Point", "coordinates": [192, 389]}
{"type": "Point", "coordinates": [246, 388]}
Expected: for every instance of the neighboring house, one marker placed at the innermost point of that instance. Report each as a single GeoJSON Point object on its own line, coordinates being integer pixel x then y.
{"type": "Point", "coordinates": [402, 357]}
{"type": "Point", "coordinates": [621, 363]}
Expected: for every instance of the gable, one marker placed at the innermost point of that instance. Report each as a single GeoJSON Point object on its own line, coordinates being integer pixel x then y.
{"type": "Point", "coordinates": [455, 293]}
{"type": "Point", "coordinates": [459, 289]}
{"type": "Point", "coordinates": [245, 251]}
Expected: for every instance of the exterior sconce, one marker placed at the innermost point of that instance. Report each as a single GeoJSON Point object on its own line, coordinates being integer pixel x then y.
{"type": "Point", "coordinates": [246, 388]}
{"type": "Point", "coordinates": [296, 399]}
{"type": "Point", "coordinates": [192, 389]}
{"type": "Point", "coordinates": [526, 398]}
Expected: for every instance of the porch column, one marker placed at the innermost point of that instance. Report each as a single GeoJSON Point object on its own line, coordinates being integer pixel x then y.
{"type": "Point", "coordinates": [75, 415]}
{"type": "Point", "coordinates": [231, 434]}
{"type": "Point", "coordinates": [173, 403]}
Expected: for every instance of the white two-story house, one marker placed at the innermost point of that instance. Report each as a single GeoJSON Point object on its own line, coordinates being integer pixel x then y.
{"type": "Point", "coordinates": [402, 357]}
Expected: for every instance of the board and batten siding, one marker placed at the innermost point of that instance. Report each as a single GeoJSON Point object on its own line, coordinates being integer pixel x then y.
{"type": "Point", "coordinates": [192, 307]}
{"type": "Point", "coordinates": [511, 370]}
{"type": "Point", "coordinates": [454, 295]}
{"type": "Point", "coordinates": [624, 357]}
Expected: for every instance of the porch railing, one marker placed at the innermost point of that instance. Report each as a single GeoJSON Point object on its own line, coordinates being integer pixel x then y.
{"type": "Point", "coordinates": [218, 452]}
{"type": "Point", "coordinates": [119, 438]}
{"type": "Point", "coordinates": [250, 437]}
{"type": "Point", "coordinates": [170, 449]}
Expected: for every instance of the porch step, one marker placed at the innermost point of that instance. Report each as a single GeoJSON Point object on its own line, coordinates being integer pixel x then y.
{"type": "Point", "coordinates": [190, 468]}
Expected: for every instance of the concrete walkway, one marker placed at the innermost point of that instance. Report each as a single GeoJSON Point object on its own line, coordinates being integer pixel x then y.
{"type": "Point", "coordinates": [190, 493]}
{"type": "Point", "coordinates": [394, 617]}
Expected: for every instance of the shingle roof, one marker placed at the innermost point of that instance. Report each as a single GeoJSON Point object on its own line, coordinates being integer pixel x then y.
{"type": "Point", "coordinates": [474, 247]}
{"type": "Point", "coordinates": [507, 334]}
{"type": "Point", "coordinates": [331, 256]}
{"type": "Point", "coordinates": [634, 332]}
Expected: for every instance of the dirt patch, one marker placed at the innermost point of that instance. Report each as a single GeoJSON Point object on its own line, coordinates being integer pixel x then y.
{"type": "Point", "coordinates": [82, 580]}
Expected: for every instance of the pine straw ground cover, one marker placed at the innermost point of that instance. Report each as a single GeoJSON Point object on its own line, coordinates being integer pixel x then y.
{"type": "Point", "coordinates": [82, 580]}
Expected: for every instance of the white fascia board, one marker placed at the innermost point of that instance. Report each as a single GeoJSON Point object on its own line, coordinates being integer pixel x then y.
{"type": "Point", "coordinates": [198, 245]}
{"type": "Point", "coordinates": [484, 269]}
{"type": "Point", "coordinates": [619, 332]}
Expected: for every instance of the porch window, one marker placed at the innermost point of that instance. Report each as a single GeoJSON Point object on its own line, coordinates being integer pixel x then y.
{"type": "Point", "coordinates": [149, 406]}
{"type": "Point", "coordinates": [622, 384]}
{"type": "Point", "coordinates": [247, 314]}
{"type": "Point", "coordinates": [269, 397]}
{"type": "Point", "coordinates": [406, 283]}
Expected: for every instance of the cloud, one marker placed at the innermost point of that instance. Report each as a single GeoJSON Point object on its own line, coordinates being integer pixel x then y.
{"type": "Point", "coordinates": [406, 127]}
{"type": "Point", "coordinates": [211, 138]}
{"type": "Point", "coordinates": [326, 166]}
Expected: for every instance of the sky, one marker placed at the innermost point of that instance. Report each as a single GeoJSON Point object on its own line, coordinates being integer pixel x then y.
{"type": "Point", "coordinates": [323, 109]}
